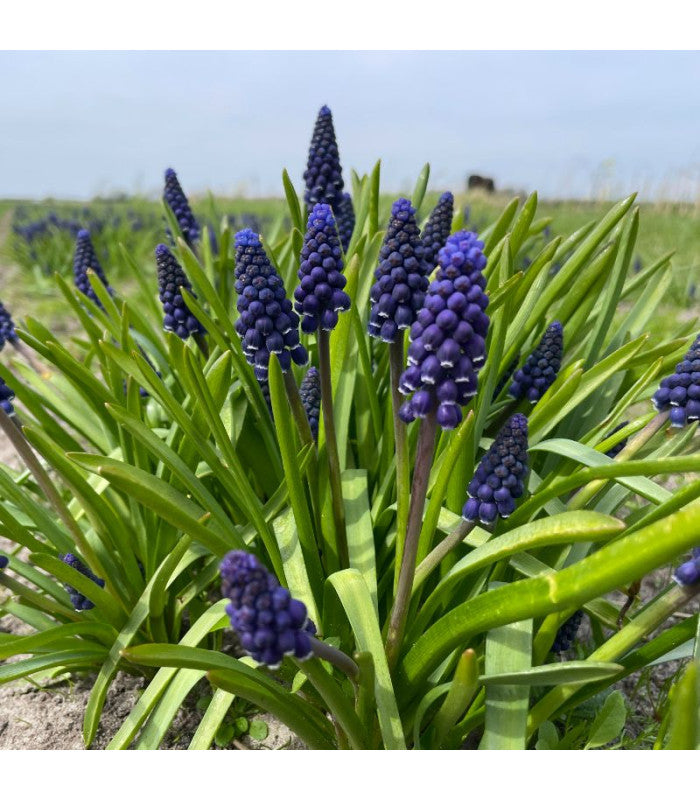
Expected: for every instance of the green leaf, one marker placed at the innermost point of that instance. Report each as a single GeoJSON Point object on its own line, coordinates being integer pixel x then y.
{"type": "Point", "coordinates": [685, 711]}
{"type": "Point", "coordinates": [211, 721]}
{"type": "Point", "coordinates": [258, 729]}
{"type": "Point", "coordinates": [420, 187]}
{"type": "Point", "coordinates": [609, 722]}
{"type": "Point", "coordinates": [554, 674]}
{"type": "Point", "coordinates": [359, 528]}
{"type": "Point", "coordinates": [547, 738]}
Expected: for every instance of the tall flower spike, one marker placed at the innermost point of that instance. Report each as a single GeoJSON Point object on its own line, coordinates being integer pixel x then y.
{"type": "Point", "coordinates": [448, 338]}
{"type": "Point", "coordinates": [320, 296]}
{"type": "Point", "coordinates": [84, 259]}
{"type": "Point", "coordinates": [566, 635]}
{"type": "Point", "coordinates": [542, 366]}
{"type": "Point", "coordinates": [310, 392]}
{"type": "Point", "coordinates": [179, 205]}
{"type": "Point", "coordinates": [267, 323]}
{"type": "Point", "coordinates": [323, 176]}
{"type": "Point", "coordinates": [6, 398]}
{"type": "Point", "coordinates": [269, 622]}
{"type": "Point", "coordinates": [7, 327]}
{"type": "Point", "coordinates": [681, 391]}
{"type": "Point", "coordinates": [400, 280]}
{"type": "Point", "coordinates": [688, 574]}
{"type": "Point", "coordinates": [177, 317]}
{"type": "Point", "coordinates": [438, 227]}
{"type": "Point", "coordinates": [79, 601]}
{"type": "Point", "coordinates": [499, 479]}
{"type": "Point", "coordinates": [345, 220]}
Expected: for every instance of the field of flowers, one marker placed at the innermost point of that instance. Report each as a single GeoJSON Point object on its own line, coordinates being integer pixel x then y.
{"type": "Point", "coordinates": [372, 465]}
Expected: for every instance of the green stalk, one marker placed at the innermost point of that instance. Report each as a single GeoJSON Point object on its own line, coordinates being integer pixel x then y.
{"type": "Point", "coordinates": [419, 490]}
{"type": "Point", "coordinates": [433, 559]}
{"type": "Point", "coordinates": [403, 467]}
{"type": "Point", "coordinates": [324, 368]}
{"type": "Point", "coordinates": [336, 657]}
{"type": "Point", "coordinates": [464, 686]}
{"type": "Point", "coordinates": [647, 621]}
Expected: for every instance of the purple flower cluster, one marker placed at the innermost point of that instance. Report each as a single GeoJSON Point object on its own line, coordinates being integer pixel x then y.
{"type": "Point", "coordinates": [323, 176]}
{"type": "Point", "coordinates": [269, 622]}
{"type": "Point", "coordinates": [79, 601]}
{"type": "Point", "coordinates": [179, 205]}
{"type": "Point", "coordinates": [688, 574]}
{"type": "Point", "coordinates": [310, 391]}
{"type": "Point", "coordinates": [345, 220]}
{"type": "Point", "coordinates": [267, 323]}
{"type": "Point", "coordinates": [320, 296]}
{"type": "Point", "coordinates": [177, 317]}
{"type": "Point", "coordinates": [4, 561]}
{"type": "Point", "coordinates": [438, 227]}
{"type": "Point", "coordinates": [566, 635]}
{"type": "Point", "coordinates": [7, 327]}
{"type": "Point", "coordinates": [6, 398]}
{"type": "Point", "coordinates": [84, 259]}
{"type": "Point", "coordinates": [620, 446]}
{"type": "Point", "coordinates": [681, 391]}
{"type": "Point", "coordinates": [499, 479]}
{"type": "Point", "coordinates": [541, 367]}
{"type": "Point", "coordinates": [400, 280]}
{"type": "Point", "coordinates": [448, 338]}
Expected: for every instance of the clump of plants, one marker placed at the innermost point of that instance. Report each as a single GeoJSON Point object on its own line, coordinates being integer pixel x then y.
{"type": "Point", "coordinates": [367, 475]}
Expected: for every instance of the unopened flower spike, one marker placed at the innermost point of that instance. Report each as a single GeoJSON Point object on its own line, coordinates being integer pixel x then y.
{"type": "Point", "coordinates": [179, 205]}
{"type": "Point", "coordinates": [7, 327]}
{"type": "Point", "coordinates": [310, 392]}
{"type": "Point", "coordinates": [541, 367]}
{"type": "Point", "coordinates": [499, 479]}
{"type": "Point", "coordinates": [401, 279]}
{"type": "Point", "coordinates": [566, 635]}
{"type": "Point", "coordinates": [323, 176]}
{"type": "Point", "coordinates": [448, 338]}
{"type": "Point", "coordinates": [177, 317]}
{"type": "Point", "coordinates": [346, 220]}
{"type": "Point", "coordinates": [320, 296]}
{"type": "Point", "coordinates": [269, 622]}
{"type": "Point", "coordinates": [6, 398]}
{"type": "Point", "coordinates": [680, 392]}
{"type": "Point", "coordinates": [438, 227]}
{"type": "Point", "coordinates": [79, 601]}
{"type": "Point", "coordinates": [267, 323]}
{"type": "Point", "coordinates": [85, 259]}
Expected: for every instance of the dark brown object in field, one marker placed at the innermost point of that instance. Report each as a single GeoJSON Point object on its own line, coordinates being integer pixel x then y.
{"type": "Point", "coordinates": [479, 182]}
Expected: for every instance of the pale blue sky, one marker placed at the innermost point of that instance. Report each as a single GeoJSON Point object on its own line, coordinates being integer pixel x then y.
{"type": "Point", "coordinates": [566, 123]}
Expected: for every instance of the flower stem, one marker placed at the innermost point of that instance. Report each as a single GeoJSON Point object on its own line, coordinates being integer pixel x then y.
{"type": "Point", "coordinates": [419, 490]}
{"type": "Point", "coordinates": [324, 358]}
{"type": "Point", "coordinates": [403, 467]}
{"type": "Point", "coordinates": [433, 559]}
{"type": "Point", "coordinates": [336, 657]}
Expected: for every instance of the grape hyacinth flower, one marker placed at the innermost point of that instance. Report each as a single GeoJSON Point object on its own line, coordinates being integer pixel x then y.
{"type": "Point", "coordinates": [6, 398]}
{"type": "Point", "coordinates": [448, 338]}
{"type": "Point", "coordinates": [179, 205]}
{"type": "Point", "coordinates": [310, 391]}
{"type": "Point", "coordinates": [566, 635]}
{"type": "Point", "coordinates": [620, 446]}
{"type": "Point", "coordinates": [541, 367]}
{"type": "Point", "coordinates": [437, 228]}
{"type": "Point", "coordinates": [177, 317]}
{"type": "Point", "coordinates": [7, 327]}
{"type": "Point", "coordinates": [499, 479]}
{"type": "Point", "coordinates": [320, 296]}
{"type": "Point", "coordinates": [79, 601]}
{"type": "Point", "coordinates": [680, 392]}
{"type": "Point", "coordinates": [400, 280]}
{"type": "Point", "coordinates": [269, 622]}
{"type": "Point", "coordinates": [4, 561]}
{"type": "Point", "coordinates": [267, 323]}
{"type": "Point", "coordinates": [688, 574]}
{"type": "Point", "coordinates": [85, 258]}
{"type": "Point", "coordinates": [323, 176]}
{"type": "Point", "coordinates": [346, 220]}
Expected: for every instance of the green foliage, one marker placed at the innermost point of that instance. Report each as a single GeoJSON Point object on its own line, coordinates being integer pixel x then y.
{"type": "Point", "coordinates": [151, 491]}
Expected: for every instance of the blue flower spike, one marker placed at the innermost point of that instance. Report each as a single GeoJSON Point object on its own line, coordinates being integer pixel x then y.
{"type": "Point", "coordinates": [269, 622]}
{"type": "Point", "coordinates": [323, 176]}
{"type": "Point", "coordinates": [177, 317]}
{"type": "Point", "coordinates": [680, 392]}
{"type": "Point", "coordinates": [345, 220]}
{"type": "Point", "coordinates": [267, 323]}
{"type": "Point", "coordinates": [499, 479]}
{"type": "Point", "coordinates": [438, 227]}
{"type": "Point", "coordinates": [310, 393]}
{"type": "Point", "coordinates": [401, 279]}
{"type": "Point", "coordinates": [79, 601]}
{"type": "Point", "coordinates": [7, 327]}
{"type": "Point", "coordinates": [566, 635]}
{"type": "Point", "coordinates": [179, 205]}
{"type": "Point", "coordinates": [448, 338]}
{"type": "Point", "coordinates": [6, 398]}
{"type": "Point", "coordinates": [688, 574]}
{"type": "Point", "coordinates": [320, 296]}
{"type": "Point", "coordinates": [86, 259]}
{"type": "Point", "coordinates": [541, 367]}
